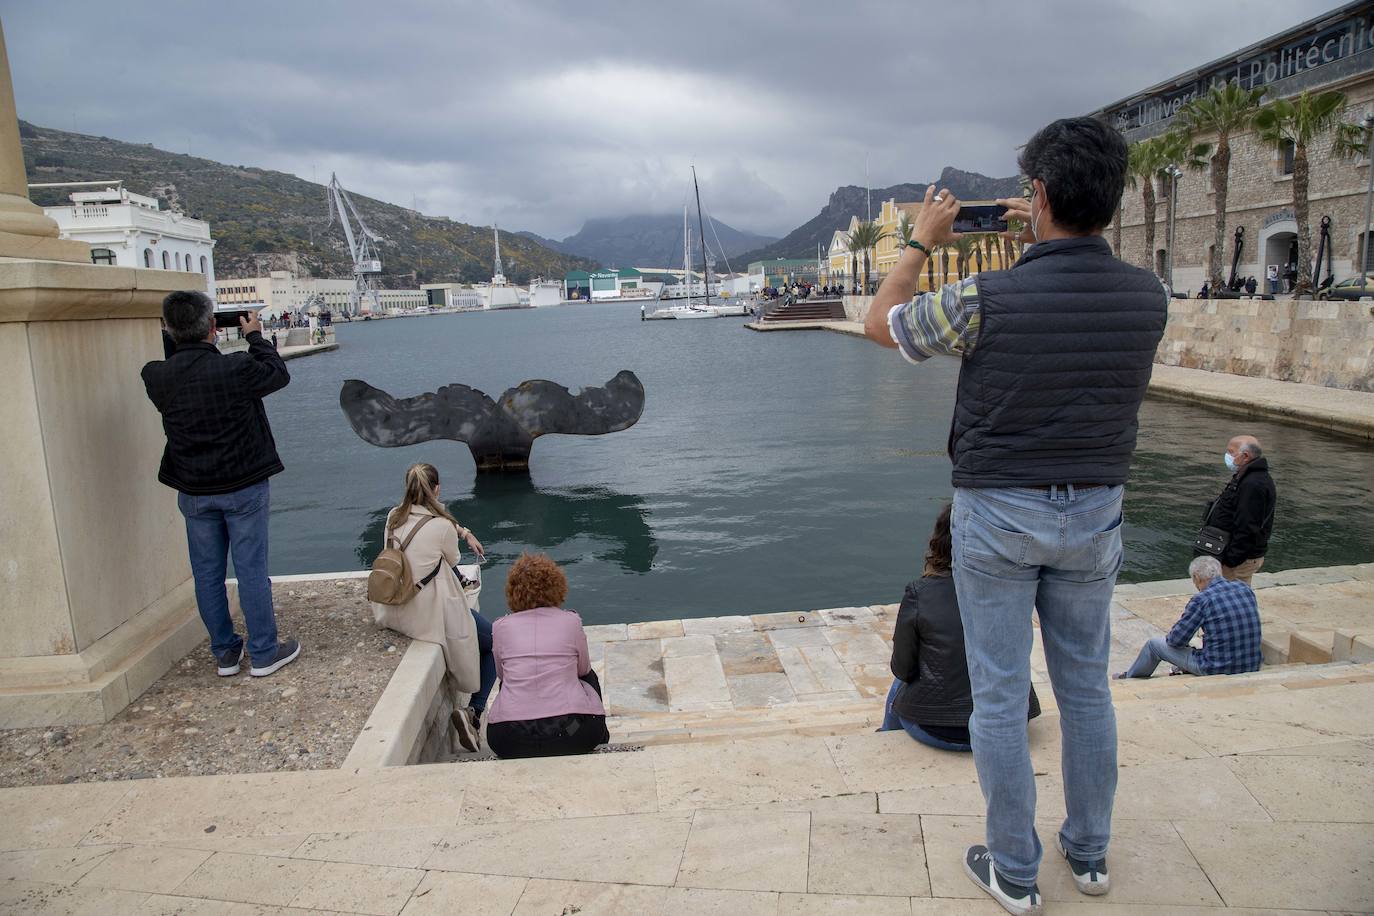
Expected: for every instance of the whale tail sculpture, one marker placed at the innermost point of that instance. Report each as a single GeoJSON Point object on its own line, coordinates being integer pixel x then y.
{"type": "Point", "coordinates": [499, 433]}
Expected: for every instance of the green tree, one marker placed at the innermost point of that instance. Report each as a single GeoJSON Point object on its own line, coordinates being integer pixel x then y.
{"type": "Point", "coordinates": [863, 238]}
{"type": "Point", "coordinates": [1177, 151]}
{"type": "Point", "coordinates": [964, 248]}
{"type": "Point", "coordinates": [1141, 168]}
{"type": "Point", "coordinates": [1301, 122]}
{"type": "Point", "coordinates": [1223, 111]}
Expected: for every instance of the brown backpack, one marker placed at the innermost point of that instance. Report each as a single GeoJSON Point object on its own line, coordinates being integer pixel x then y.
{"type": "Point", "coordinates": [390, 581]}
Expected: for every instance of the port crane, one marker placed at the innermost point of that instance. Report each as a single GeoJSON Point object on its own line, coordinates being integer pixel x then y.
{"type": "Point", "coordinates": [361, 248]}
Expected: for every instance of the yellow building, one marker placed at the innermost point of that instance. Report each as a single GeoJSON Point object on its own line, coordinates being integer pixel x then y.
{"type": "Point", "coordinates": [840, 262]}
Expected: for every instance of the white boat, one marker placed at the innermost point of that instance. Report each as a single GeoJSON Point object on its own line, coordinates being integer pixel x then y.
{"type": "Point", "coordinates": [689, 310]}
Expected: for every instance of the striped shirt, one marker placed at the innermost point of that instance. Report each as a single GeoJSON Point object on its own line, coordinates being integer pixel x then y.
{"type": "Point", "coordinates": [943, 322]}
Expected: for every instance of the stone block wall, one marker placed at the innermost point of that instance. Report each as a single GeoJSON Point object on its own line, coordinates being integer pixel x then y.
{"type": "Point", "coordinates": [1317, 343]}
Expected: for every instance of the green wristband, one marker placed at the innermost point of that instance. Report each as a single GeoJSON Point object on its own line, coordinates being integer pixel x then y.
{"type": "Point", "coordinates": [919, 247]}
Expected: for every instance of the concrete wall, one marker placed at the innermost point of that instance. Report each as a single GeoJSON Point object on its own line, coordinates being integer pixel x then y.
{"type": "Point", "coordinates": [1318, 343]}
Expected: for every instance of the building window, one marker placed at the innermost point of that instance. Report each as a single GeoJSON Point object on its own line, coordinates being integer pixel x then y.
{"type": "Point", "coordinates": [1286, 155]}
{"type": "Point", "coordinates": [147, 257]}
{"type": "Point", "coordinates": [102, 256]}
{"type": "Point", "coordinates": [204, 266]}
{"type": "Point", "coordinates": [166, 260]}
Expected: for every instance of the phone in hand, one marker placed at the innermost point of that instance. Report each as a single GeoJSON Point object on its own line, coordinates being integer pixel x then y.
{"type": "Point", "coordinates": [980, 216]}
{"type": "Point", "coordinates": [229, 318]}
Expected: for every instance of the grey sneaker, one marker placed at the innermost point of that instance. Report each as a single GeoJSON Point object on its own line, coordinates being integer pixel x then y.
{"type": "Point", "coordinates": [1090, 877]}
{"type": "Point", "coordinates": [1014, 898]}
{"type": "Point", "coordinates": [465, 724]}
{"type": "Point", "coordinates": [227, 665]}
{"type": "Point", "coordinates": [287, 652]}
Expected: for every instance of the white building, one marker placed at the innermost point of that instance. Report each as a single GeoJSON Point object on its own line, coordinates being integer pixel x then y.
{"type": "Point", "coordinates": [129, 230]}
{"type": "Point", "coordinates": [280, 293]}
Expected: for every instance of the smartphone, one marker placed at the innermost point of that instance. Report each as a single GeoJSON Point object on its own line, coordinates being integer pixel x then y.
{"type": "Point", "coordinates": [980, 216]}
{"type": "Point", "coordinates": [229, 318]}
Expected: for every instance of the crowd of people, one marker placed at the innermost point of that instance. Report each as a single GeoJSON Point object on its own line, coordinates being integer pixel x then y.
{"type": "Point", "coordinates": [1041, 441]}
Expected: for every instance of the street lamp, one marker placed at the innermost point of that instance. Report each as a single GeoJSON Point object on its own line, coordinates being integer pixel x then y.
{"type": "Point", "coordinates": [1368, 200]}
{"type": "Point", "coordinates": [1174, 173]}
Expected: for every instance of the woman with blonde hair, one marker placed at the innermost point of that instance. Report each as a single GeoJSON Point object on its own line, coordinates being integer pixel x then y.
{"type": "Point", "coordinates": [440, 612]}
{"type": "Point", "coordinates": [550, 699]}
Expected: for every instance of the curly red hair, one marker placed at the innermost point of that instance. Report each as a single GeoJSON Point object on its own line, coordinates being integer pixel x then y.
{"type": "Point", "coordinates": [535, 581]}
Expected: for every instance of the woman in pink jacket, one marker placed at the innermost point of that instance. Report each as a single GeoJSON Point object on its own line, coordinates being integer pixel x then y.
{"type": "Point", "coordinates": [549, 704]}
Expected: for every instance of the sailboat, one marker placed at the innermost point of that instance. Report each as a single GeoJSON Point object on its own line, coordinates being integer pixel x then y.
{"type": "Point", "coordinates": [690, 310]}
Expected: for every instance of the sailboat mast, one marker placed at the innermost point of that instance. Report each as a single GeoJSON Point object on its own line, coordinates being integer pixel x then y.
{"type": "Point", "coordinates": [705, 269]}
{"type": "Point", "coordinates": [686, 255]}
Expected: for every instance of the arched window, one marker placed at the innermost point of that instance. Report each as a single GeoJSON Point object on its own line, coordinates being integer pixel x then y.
{"type": "Point", "coordinates": [166, 260]}
{"type": "Point", "coordinates": [204, 266]}
{"type": "Point", "coordinates": [102, 256]}
{"type": "Point", "coordinates": [147, 257]}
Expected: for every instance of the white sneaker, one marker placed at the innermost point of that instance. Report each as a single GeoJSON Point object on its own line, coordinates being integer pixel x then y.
{"type": "Point", "coordinates": [1022, 901]}
{"type": "Point", "coordinates": [1090, 877]}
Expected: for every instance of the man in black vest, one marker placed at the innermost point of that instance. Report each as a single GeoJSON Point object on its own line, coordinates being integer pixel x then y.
{"type": "Point", "coordinates": [219, 455]}
{"type": "Point", "coordinates": [1056, 355]}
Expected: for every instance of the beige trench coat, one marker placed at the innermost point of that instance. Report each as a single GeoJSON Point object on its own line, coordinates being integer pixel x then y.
{"type": "Point", "coordinates": [440, 613]}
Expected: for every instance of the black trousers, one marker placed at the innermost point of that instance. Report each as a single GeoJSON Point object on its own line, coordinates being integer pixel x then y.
{"type": "Point", "coordinates": [554, 736]}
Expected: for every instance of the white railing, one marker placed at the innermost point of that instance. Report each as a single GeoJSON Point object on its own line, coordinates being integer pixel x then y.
{"type": "Point", "coordinates": [90, 212]}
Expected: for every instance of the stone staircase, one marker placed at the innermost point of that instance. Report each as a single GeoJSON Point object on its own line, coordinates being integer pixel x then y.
{"type": "Point", "coordinates": [808, 310]}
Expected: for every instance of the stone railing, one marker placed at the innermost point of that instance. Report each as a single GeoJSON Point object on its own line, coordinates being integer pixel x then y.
{"type": "Point", "coordinates": [1317, 343]}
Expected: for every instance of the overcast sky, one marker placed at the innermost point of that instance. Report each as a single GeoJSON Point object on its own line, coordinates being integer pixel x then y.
{"type": "Point", "coordinates": [540, 115]}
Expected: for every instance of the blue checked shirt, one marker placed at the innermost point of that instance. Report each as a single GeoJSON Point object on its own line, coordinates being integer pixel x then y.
{"type": "Point", "coordinates": [1228, 615]}
{"type": "Point", "coordinates": [938, 322]}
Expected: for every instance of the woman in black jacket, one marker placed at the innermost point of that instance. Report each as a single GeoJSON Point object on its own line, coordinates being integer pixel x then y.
{"type": "Point", "coordinates": [931, 698]}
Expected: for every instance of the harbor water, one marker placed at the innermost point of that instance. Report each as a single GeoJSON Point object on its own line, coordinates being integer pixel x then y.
{"type": "Point", "coordinates": [769, 472]}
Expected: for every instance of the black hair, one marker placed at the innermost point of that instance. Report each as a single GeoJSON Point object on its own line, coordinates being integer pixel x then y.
{"type": "Point", "coordinates": [1082, 162]}
{"type": "Point", "coordinates": [188, 314]}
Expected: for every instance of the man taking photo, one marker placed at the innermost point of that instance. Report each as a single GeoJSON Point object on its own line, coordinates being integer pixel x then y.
{"type": "Point", "coordinates": [1056, 355]}
{"type": "Point", "coordinates": [219, 455]}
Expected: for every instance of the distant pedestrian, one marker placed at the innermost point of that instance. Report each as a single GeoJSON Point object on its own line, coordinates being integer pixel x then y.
{"type": "Point", "coordinates": [1271, 273]}
{"type": "Point", "coordinates": [1250, 286]}
{"type": "Point", "coordinates": [1244, 511]}
{"type": "Point", "coordinates": [274, 340]}
{"type": "Point", "coordinates": [219, 456]}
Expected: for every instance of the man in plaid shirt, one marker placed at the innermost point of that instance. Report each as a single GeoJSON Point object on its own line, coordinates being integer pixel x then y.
{"type": "Point", "coordinates": [1227, 614]}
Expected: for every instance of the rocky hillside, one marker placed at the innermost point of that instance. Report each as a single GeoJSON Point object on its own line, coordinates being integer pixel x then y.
{"type": "Point", "coordinates": [650, 240]}
{"type": "Point", "coordinates": [850, 200]}
{"type": "Point", "coordinates": [263, 219]}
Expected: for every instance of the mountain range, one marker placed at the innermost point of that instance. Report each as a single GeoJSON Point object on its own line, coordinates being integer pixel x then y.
{"type": "Point", "coordinates": [851, 200]}
{"type": "Point", "coordinates": [263, 219]}
{"type": "Point", "coordinates": [649, 240]}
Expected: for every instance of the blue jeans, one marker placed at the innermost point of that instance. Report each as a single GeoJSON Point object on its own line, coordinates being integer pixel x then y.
{"type": "Point", "coordinates": [1157, 650]}
{"type": "Point", "coordinates": [215, 526]}
{"type": "Point", "coordinates": [486, 664]}
{"type": "Point", "coordinates": [893, 722]}
{"type": "Point", "coordinates": [1056, 550]}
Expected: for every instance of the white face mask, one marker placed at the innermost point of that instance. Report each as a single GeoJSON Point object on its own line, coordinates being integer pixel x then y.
{"type": "Point", "coordinates": [1230, 462]}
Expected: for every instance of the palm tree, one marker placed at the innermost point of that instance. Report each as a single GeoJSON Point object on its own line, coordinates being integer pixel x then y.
{"type": "Point", "coordinates": [964, 247]}
{"type": "Point", "coordinates": [1301, 121]}
{"type": "Point", "coordinates": [862, 238]}
{"type": "Point", "coordinates": [1177, 151]}
{"type": "Point", "coordinates": [930, 272]}
{"type": "Point", "coordinates": [1143, 165]}
{"type": "Point", "coordinates": [1223, 111]}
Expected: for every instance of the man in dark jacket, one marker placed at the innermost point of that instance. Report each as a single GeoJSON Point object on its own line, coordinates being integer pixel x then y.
{"type": "Point", "coordinates": [1245, 509]}
{"type": "Point", "coordinates": [1056, 354]}
{"type": "Point", "coordinates": [219, 455]}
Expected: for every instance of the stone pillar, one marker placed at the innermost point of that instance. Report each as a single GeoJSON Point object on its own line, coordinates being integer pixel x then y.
{"type": "Point", "coordinates": [96, 600]}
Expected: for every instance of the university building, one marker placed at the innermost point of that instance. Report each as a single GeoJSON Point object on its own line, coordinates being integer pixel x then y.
{"type": "Point", "coordinates": [1332, 52]}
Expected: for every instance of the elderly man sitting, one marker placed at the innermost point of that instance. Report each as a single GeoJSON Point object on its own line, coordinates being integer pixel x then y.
{"type": "Point", "coordinates": [1226, 612]}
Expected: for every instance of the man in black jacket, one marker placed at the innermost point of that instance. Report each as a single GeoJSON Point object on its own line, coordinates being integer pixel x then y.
{"type": "Point", "coordinates": [1245, 509]}
{"type": "Point", "coordinates": [219, 455]}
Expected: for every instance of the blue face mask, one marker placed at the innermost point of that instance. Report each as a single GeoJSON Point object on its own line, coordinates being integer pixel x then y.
{"type": "Point", "coordinates": [1230, 463]}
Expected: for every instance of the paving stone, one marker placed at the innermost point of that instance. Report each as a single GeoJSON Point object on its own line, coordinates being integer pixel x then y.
{"type": "Point", "coordinates": [539, 788]}
{"type": "Point", "coordinates": [865, 854]}
{"type": "Point", "coordinates": [846, 616]}
{"type": "Point", "coordinates": [375, 889]}
{"type": "Point", "coordinates": [1326, 865]}
{"type": "Point", "coordinates": [22, 897]}
{"type": "Point", "coordinates": [859, 646]}
{"type": "Point", "coordinates": [797, 637]}
{"type": "Point", "coordinates": [715, 626]}
{"type": "Point", "coordinates": [248, 879]}
{"type": "Point", "coordinates": [826, 904]}
{"type": "Point", "coordinates": [551, 898]}
{"type": "Point", "coordinates": [701, 901]}
{"type": "Point", "coordinates": [634, 677]}
{"type": "Point", "coordinates": [397, 848]}
{"type": "Point", "coordinates": [754, 851]}
{"type": "Point", "coordinates": [746, 773]}
{"type": "Point", "coordinates": [446, 893]}
{"type": "Point", "coordinates": [1171, 789]}
{"type": "Point", "coordinates": [607, 632]}
{"type": "Point", "coordinates": [814, 669]}
{"type": "Point", "coordinates": [682, 646]}
{"type": "Point", "coordinates": [747, 653]}
{"type": "Point", "coordinates": [1325, 788]}
{"type": "Point", "coordinates": [636, 849]}
{"type": "Point", "coordinates": [656, 629]}
{"type": "Point", "coordinates": [153, 869]}
{"type": "Point", "coordinates": [1150, 864]}
{"type": "Point", "coordinates": [169, 905]}
{"type": "Point", "coordinates": [38, 816]}
{"type": "Point", "coordinates": [748, 691]}
{"type": "Point", "coordinates": [948, 907]}
{"type": "Point", "coordinates": [62, 865]}
{"type": "Point", "coordinates": [786, 620]}
{"type": "Point", "coordinates": [696, 682]}
{"type": "Point", "coordinates": [891, 760]}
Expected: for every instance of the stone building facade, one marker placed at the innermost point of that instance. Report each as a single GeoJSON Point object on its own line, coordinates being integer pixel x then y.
{"type": "Point", "coordinates": [1333, 52]}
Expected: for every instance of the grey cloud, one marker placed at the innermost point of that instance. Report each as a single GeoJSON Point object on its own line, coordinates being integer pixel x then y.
{"type": "Point", "coordinates": [540, 115]}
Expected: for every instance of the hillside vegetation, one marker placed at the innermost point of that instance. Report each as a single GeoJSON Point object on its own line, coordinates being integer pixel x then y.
{"type": "Point", "coordinates": [259, 218]}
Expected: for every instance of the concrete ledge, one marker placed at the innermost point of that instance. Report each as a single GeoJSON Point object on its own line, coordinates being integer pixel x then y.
{"type": "Point", "coordinates": [62, 291]}
{"type": "Point", "coordinates": [398, 721]}
{"type": "Point", "coordinates": [852, 328]}
{"type": "Point", "coordinates": [288, 353]}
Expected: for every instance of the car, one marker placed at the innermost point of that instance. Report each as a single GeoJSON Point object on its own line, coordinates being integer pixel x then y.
{"type": "Point", "coordinates": [1349, 289]}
